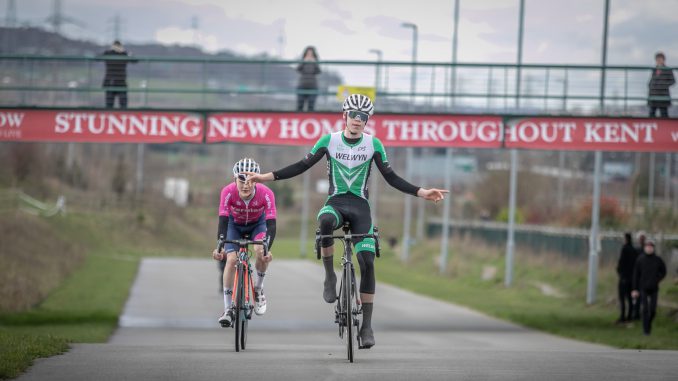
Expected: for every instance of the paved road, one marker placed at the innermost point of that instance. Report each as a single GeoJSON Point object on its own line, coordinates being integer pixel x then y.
{"type": "Point", "coordinates": [168, 332]}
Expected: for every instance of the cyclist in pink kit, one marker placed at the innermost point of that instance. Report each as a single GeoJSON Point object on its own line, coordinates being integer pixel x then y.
{"type": "Point", "coordinates": [245, 208]}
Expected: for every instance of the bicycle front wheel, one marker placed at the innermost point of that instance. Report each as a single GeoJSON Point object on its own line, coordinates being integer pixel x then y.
{"type": "Point", "coordinates": [347, 308]}
{"type": "Point", "coordinates": [239, 303]}
{"type": "Point", "coordinates": [248, 299]}
{"type": "Point", "coordinates": [243, 333]}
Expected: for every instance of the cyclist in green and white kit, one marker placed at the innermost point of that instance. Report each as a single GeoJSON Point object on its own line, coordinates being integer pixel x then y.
{"type": "Point", "coordinates": [350, 154]}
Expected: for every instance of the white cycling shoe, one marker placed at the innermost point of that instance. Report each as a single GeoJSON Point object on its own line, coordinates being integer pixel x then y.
{"type": "Point", "coordinates": [260, 304]}
{"type": "Point", "coordinates": [226, 319]}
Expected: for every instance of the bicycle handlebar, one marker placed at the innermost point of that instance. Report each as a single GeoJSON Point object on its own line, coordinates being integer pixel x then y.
{"type": "Point", "coordinates": [345, 237]}
{"type": "Point", "coordinates": [241, 243]}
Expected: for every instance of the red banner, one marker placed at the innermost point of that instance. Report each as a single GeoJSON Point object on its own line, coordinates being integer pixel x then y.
{"type": "Point", "coordinates": [304, 129]}
{"type": "Point", "coordinates": [100, 126]}
{"type": "Point", "coordinates": [392, 130]}
{"type": "Point", "coordinates": [592, 134]}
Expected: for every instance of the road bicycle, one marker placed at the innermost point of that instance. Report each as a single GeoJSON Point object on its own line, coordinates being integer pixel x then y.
{"type": "Point", "coordinates": [348, 305]}
{"type": "Point", "coordinates": [244, 296]}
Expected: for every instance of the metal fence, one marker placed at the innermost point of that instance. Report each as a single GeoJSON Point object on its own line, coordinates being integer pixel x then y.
{"type": "Point", "coordinates": [227, 84]}
{"type": "Point", "coordinates": [571, 243]}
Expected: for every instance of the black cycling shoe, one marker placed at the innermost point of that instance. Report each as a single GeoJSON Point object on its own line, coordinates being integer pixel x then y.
{"type": "Point", "coordinates": [366, 338]}
{"type": "Point", "coordinates": [330, 291]}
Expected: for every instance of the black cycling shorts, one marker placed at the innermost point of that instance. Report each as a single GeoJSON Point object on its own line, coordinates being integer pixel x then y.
{"type": "Point", "coordinates": [355, 210]}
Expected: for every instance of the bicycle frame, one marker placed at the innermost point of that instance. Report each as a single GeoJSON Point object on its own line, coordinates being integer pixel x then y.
{"type": "Point", "coordinates": [348, 305]}
{"type": "Point", "coordinates": [243, 288]}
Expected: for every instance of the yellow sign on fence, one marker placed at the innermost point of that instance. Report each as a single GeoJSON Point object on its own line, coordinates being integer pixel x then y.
{"type": "Point", "coordinates": [344, 91]}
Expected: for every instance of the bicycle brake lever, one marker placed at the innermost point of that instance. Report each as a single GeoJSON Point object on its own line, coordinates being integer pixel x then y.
{"type": "Point", "coordinates": [220, 242]}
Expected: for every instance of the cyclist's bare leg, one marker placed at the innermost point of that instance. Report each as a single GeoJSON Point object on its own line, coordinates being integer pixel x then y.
{"type": "Point", "coordinates": [366, 298]}
{"type": "Point", "coordinates": [327, 251]}
{"type": "Point", "coordinates": [229, 276]}
{"type": "Point", "coordinates": [330, 283]}
{"type": "Point", "coordinates": [367, 287]}
{"type": "Point", "coordinates": [366, 333]}
{"type": "Point", "coordinates": [327, 223]}
{"type": "Point", "coordinates": [261, 265]}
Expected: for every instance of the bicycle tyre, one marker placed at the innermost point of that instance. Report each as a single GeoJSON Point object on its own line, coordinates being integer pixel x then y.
{"type": "Point", "coordinates": [246, 310]}
{"type": "Point", "coordinates": [243, 334]}
{"type": "Point", "coordinates": [348, 316]}
{"type": "Point", "coordinates": [238, 307]}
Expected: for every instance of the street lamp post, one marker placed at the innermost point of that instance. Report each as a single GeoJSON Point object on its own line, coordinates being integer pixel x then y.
{"type": "Point", "coordinates": [377, 73]}
{"type": "Point", "coordinates": [407, 221]}
{"type": "Point", "coordinates": [373, 184]}
{"type": "Point", "coordinates": [455, 36]}
{"type": "Point", "coordinates": [413, 80]}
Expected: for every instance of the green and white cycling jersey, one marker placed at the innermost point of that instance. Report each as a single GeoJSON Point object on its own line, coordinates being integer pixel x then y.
{"type": "Point", "coordinates": [349, 164]}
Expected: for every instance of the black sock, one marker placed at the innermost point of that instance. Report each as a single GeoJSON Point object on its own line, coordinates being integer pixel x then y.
{"type": "Point", "coordinates": [367, 315]}
{"type": "Point", "coordinates": [328, 262]}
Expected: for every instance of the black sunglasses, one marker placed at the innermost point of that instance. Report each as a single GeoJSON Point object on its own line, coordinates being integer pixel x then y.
{"type": "Point", "coordinates": [242, 177]}
{"type": "Point", "coordinates": [363, 116]}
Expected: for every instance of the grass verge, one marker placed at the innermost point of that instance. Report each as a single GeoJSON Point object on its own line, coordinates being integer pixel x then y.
{"type": "Point", "coordinates": [85, 307]}
{"type": "Point", "coordinates": [525, 302]}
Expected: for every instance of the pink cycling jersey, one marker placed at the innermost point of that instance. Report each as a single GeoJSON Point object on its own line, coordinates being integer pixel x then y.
{"type": "Point", "coordinates": [247, 212]}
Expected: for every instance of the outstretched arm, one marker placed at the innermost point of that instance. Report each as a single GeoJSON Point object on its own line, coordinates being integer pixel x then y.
{"type": "Point", "coordinates": [402, 185]}
{"type": "Point", "coordinates": [291, 170]}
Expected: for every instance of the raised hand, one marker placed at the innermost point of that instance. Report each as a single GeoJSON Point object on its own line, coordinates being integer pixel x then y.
{"type": "Point", "coordinates": [259, 177]}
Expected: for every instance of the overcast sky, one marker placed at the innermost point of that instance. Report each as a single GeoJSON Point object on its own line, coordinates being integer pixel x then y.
{"type": "Point", "coordinates": [556, 31]}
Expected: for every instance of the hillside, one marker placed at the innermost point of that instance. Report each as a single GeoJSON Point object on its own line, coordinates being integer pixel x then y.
{"type": "Point", "coordinates": [30, 40]}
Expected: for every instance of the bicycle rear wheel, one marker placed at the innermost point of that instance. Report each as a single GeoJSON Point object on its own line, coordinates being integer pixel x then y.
{"type": "Point", "coordinates": [347, 306]}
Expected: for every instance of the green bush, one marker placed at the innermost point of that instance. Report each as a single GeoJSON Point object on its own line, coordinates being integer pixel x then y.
{"type": "Point", "coordinates": [503, 215]}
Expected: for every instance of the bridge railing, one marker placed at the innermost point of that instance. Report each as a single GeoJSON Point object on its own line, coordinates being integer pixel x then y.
{"type": "Point", "coordinates": [264, 84]}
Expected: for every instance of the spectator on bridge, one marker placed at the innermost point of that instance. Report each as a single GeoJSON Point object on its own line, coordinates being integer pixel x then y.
{"type": "Point", "coordinates": [627, 259]}
{"type": "Point", "coordinates": [647, 273]}
{"type": "Point", "coordinates": [307, 89]}
{"type": "Point", "coordinates": [662, 78]}
{"type": "Point", "coordinates": [116, 75]}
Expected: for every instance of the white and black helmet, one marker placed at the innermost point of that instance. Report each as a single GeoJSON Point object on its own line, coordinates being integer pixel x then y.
{"type": "Point", "coordinates": [245, 165]}
{"type": "Point", "coordinates": [358, 102]}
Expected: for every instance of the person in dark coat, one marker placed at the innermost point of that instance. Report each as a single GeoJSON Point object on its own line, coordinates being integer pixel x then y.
{"type": "Point", "coordinates": [116, 75]}
{"type": "Point", "coordinates": [307, 89]}
{"type": "Point", "coordinates": [662, 78]}
{"type": "Point", "coordinates": [640, 250]}
{"type": "Point", "coordinates": [627, 260]}
{"type": "Point", "coordinates": [647, 273]}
